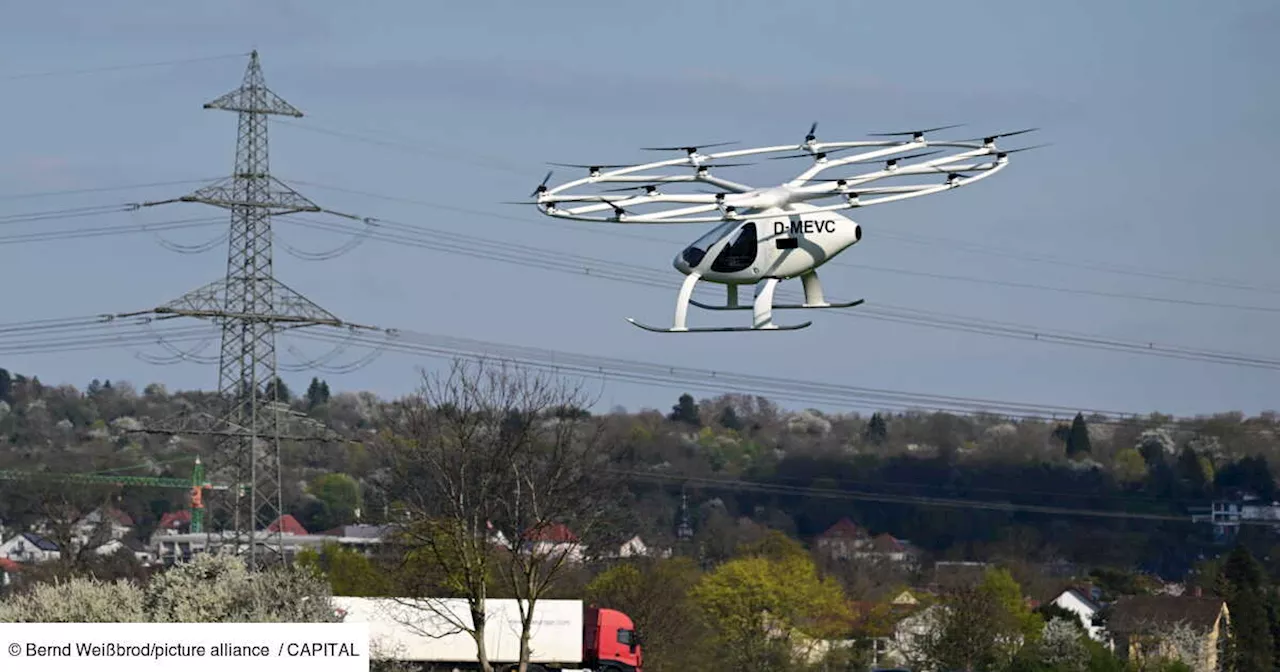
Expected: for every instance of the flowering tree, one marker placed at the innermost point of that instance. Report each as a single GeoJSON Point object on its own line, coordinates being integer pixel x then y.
{"type": "Point", "coordinates": [210, 589]}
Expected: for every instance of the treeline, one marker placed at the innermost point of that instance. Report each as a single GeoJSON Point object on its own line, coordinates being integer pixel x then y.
{"type": "Point", "coordinates": [943, 482]}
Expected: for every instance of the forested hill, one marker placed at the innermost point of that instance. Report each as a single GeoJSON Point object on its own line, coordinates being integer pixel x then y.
{"type": "Point", "coordinates": [1095, 491]}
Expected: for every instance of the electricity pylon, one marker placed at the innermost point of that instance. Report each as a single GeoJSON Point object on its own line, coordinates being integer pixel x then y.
{"type": "Point", "coordinates": [250, 304]}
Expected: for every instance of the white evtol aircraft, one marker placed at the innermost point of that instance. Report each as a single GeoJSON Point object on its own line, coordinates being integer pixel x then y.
{"type": "Point", "coordinates": [766, 235]}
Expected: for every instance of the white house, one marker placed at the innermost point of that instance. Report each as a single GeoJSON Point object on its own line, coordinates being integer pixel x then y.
{"type": "Point", "coordinates": [1079, 604]}
{"type": "Point", "coordinates": [554, 540]}
{"type": "Point", "coordinates": [120, 523]}
{"type": "Point", "coordinates": [29, 547]}
{"type": "Point", "coordinates": [140, 551]}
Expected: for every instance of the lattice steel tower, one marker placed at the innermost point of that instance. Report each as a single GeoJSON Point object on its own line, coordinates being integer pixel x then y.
{"type": "Point", "coordinates": [250, 305]}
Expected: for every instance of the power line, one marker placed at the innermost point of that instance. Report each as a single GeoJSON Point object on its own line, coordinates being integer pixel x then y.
{"type": "Point", "coordinates": [911, 500]}
{"type": "Point", "coordinates": [85, 333]}
{"type": "Point", "coordinates": [87, 190]}
{"type": "Point", "coordinates": [953, 244]}
{"type": "Point", "coordinates": [112, 68]}
{"type": "Point", "coordinates": [534, 257]}
{"type": "Point", "coordinates": [950, 244]}
{"type": "Point", "coordinates": [99, 231]}
{"type": "Point", "coordinates": [845, 264]}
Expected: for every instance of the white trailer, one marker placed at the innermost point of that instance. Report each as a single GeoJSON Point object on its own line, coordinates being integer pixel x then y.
{"type": "Point", "coordinates": [427, 630]}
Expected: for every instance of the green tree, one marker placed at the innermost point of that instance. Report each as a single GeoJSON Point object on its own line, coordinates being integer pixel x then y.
{"type": "Point", "coordinates": [982, 627]}
{"type": "Point", "coordinates": [685, 411]}
{"type": "Point", "coordinates": [655, 593]}
{"type": "Point", "coordinates": [1242, 582]}
{"type": "Point", "coordinates": [1129, 467]}
{"type": "Point", "coordinates": [729, 419]}
{"type": "Point", "coordinates": [877, 430]}
{"type": "Point", "coordinates": [6, 386]}
{"type": "Point", "coordinates": [755, 607]}
{"type": "Point", "coordinates": [278, 390]}
{"type": "Point", "coordinates": [340, 495]}
{"type": "Point", "coordinates": [1191, 469]}
{"type": "Point", "coordinates": [349, 572]}
{"type": "Point", "coordinates": [317, 393]}
{"type": "Point", "coordinates": [1078, 438]}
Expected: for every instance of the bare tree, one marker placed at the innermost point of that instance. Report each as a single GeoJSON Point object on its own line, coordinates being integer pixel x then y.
{"type": "Point", "coordinates": [499, 478]}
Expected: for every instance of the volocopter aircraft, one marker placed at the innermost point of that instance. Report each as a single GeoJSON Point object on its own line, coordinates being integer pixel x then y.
{"type": "Point", "coordinates": [766, 235]}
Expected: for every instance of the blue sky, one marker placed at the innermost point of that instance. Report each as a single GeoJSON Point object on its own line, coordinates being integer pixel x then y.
{"type": "Point", "coordinates": [1162, 116]}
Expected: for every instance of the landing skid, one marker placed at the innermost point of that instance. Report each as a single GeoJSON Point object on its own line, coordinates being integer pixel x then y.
{"type": "Point", "coordinates": [674, 330]}
{"type": "Point", "coordinates": [762, 307]}
{"type": "Point", "coordinates": [782, 306]}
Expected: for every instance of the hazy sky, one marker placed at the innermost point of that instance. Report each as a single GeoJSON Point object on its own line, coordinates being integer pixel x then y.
{"type": "Point", "coordinates": [1162, 114]}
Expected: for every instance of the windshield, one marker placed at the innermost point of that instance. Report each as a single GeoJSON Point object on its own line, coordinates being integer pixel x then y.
{"type": "Point", "coordinates": [694, 254]}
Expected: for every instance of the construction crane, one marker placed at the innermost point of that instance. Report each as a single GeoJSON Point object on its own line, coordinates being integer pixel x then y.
{"type": "Point", "coordinates": [195, 486]}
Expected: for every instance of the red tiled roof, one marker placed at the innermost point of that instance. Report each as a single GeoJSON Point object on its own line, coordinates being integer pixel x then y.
{"type": "Point", "coordinates": [288, 525]}
{"type": "Point", "coordinates": [886, 543]}
{"type": "Point", "coordinates": [174, 519]}
{"type": "Point", "coordinates": [844, 529]}
{"type": "Point", "coordinates": [121, 517]}
{"type": "Point", "coordinates": [556, 533]}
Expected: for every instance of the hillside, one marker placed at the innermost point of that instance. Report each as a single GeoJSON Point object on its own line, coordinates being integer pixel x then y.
{"type": "Point", "coordinates": [955, 487]}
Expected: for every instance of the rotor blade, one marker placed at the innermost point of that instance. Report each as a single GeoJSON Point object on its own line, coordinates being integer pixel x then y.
{"type": "Point", "coordinates": [895, 158]}
{"type": "Point", "coordinates": [815, 153]}
{"type": "Point", "coordinates": [917, 132]}
{"type": "Point", "coordinates": [687, 148]}
{"type": "Point", "coordinates": [717, 165]}
{"type": "Point", "coordinates": [541, 186]}
{"type": "Point", "coordinates": [591, 165]}
{"type": "Point", "coordinates": [646, 187]}
{"type": "Point", "coordinates": [992, 137]}
{"type": "Point", "coordinates": [811, 135]}
{"type": "Point", "coordinates": [1022, 149]}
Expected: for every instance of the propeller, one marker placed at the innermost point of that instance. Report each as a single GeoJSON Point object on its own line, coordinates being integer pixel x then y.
{"type": "Point", "coordinates": [648, 188]}
{"type": "Point", "coordinates": [915, 135]}
{"type": "Point", "coordinates": [618, 211]}
{"type": "Point", "coordinates": [818, 155]}
{"type": "Point", "coordinates": [691, 149]}
{"type": "Point", "coordinates": [988, 139]}
{"type": "Point", "coordinates": [594, 168]}
{"type": "Point", "coordinates": [708, 166]}
{"type": "Point", "coordinates": [541, 187]}
{"type": "Point", "coordinates": [894, 160]}
{"type": "Point", "coordinates": [1001, 154]}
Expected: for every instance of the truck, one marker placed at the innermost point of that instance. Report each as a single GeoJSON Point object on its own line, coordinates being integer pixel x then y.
{"type": "Point", "coordinates": [566, 635]}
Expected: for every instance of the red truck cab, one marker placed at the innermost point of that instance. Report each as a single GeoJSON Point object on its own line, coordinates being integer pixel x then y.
{"type": "Point", "coordinates": [610, 641]}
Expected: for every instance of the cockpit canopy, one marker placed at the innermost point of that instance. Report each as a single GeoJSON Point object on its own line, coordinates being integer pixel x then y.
{"type": "Point", "coordinates": [738, 253]}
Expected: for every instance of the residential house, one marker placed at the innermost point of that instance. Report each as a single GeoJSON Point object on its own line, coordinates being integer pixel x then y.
{"type": "Point", "coordinates": [287, 524]}
{"type": "Point", "coordinates": [174, 522]}
{"type": "Point", "coordinates": [888, 548]}
{"type": "Point", "coordinates": [172, 546]}
{"type": "Point", "coordinates": [955, 574]}
{"type": "Point", "coordinates": [634, 547]}
{"type": "Point", "coordinates": [140, 551]}
{"type": "Point", "coordinates": [1083, 603]}
{"type": "Point", "coordinates": [842, 540]}
{"type": "Point", "coordinates": [554, 540]}
{"type": "Point", "coordinates": [1151, 627]}
{"type": "Point", "coordinates": [905, 646]}
{"type": "Point", "coordinates": [876, 625]}
{"type": "Point", "coordinates": [119, 523]}
{"type": "Point", "coordinates": [29, 547]}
